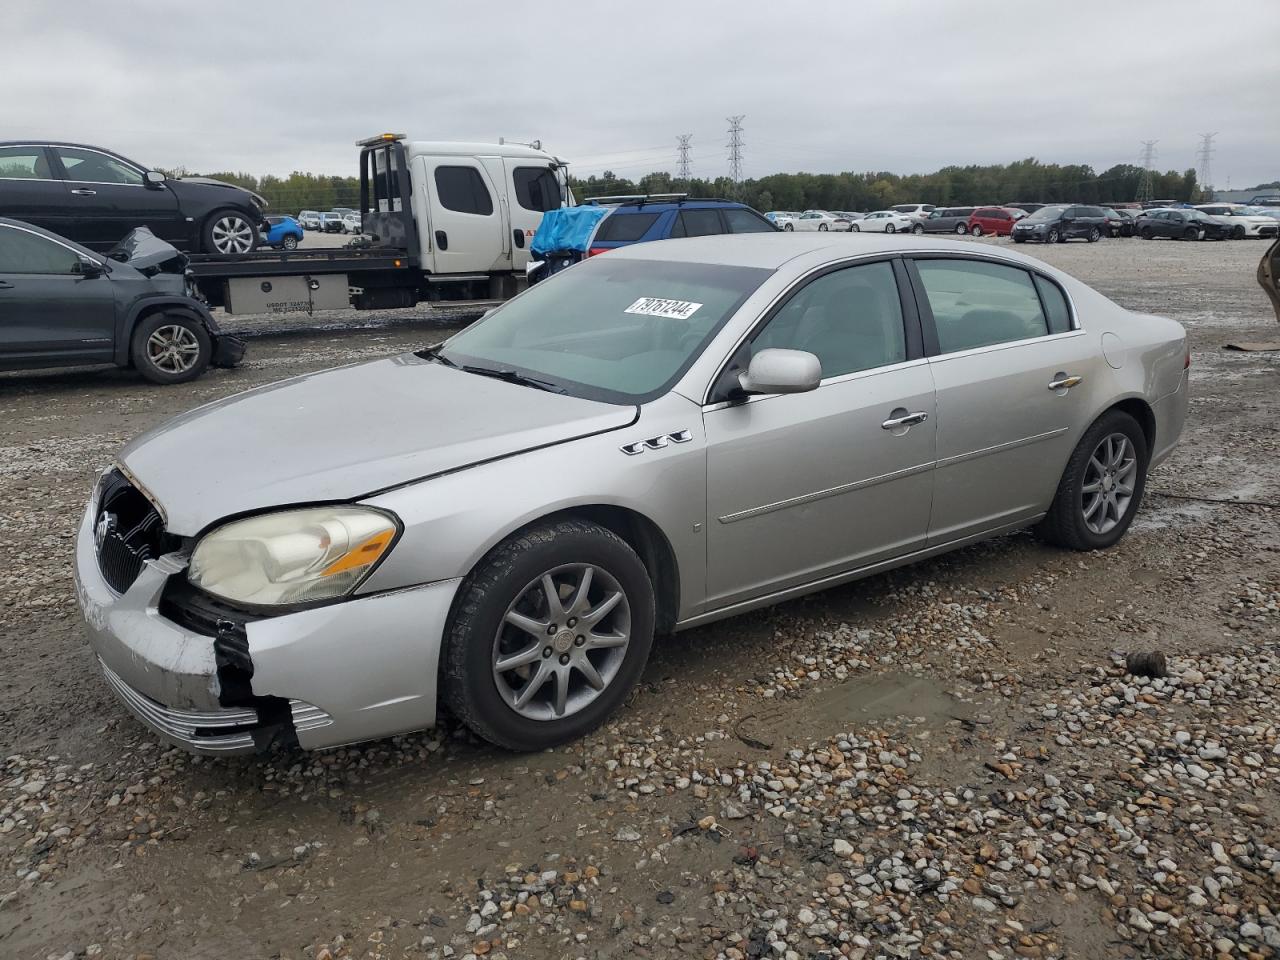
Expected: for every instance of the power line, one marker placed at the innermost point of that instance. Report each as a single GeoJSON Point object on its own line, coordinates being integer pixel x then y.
{"type": "Point", "coordinates": [735, 148]}
{"type": "Point", "coordinates": [1204, 156]}
{"type": "Point", "coordinates": [683, 140]}
{"type": "Point", "coordinates": [1146, 188]}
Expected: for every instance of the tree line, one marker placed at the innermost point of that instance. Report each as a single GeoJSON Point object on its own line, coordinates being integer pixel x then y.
{"type": "Point", "coordinates": [1022, 181]}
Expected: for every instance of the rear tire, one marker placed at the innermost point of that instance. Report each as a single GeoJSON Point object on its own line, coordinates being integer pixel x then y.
{"type": "Point", "coordinates": [961, 229]}
{"type": "Point", "coordinates": [483, 631]}
{"type": "Point", "coordinates": [788, 227]}
{"type": "Point", "coordinates": [1147, 233]}
{"type": "Point", "coordinates": [1053, 236]}
{"type": "Point", "coordinates": [822, 227]}
{"type": "Point", "coordinates": [1068, 522]}
{"type": "Point", "coordinates": [170, 348]}
{"type": "Point", "coordinates": [854, 228]}
{"type": "Point", "coordinates": [290, 242]}
{"type": "Point", "coordinates": [1191, 233]}
{"type": "Point", "coordinates": [890, 228]}
{"type": "Point", "coordinates": [1094, 235]}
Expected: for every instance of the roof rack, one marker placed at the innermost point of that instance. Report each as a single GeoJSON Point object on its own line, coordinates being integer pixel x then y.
{"type": "Point", "coordinates": [643, 198]}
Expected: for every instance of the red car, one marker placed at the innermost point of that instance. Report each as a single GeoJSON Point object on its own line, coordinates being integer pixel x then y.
{"type": "Point", "coordinates": [997, 221]}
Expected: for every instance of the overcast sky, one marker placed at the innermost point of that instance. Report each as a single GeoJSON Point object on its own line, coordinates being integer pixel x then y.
{"type": "Point", "coordinates": [900, 85]}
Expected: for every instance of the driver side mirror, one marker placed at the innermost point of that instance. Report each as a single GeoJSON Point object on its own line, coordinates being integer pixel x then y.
{"type": "Point", "coordinates": [155, 179]}
{"type": "Point", "coordinates": [781, 371]}
{"type": "Point", "coordinates": [88, 269]}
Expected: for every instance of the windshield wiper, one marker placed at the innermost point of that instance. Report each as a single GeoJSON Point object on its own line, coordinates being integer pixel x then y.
{"type": "Point", "coordinates": [511, 376]}
{"type": "Point", "coordinates": [433, 353]}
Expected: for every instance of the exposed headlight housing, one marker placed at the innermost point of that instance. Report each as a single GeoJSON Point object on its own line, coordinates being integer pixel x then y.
{"type": "Point", "coordinates": [292, 557]}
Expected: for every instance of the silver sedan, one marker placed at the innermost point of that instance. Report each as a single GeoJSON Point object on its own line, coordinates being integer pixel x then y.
{"type": "Point", "coordinates": [649, 441]}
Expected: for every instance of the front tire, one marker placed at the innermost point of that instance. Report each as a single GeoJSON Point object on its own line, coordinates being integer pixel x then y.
{"type": "Point", "coordinates": [976, 229]}
{"type": "Point", "coordinates": [1191, 233]}
{"type": "Point", "coordinates": [917, 229]}
{"type": "Point", "coordinates": [1147, 233]}
{"type": "Point", "coordinates": [549, 635]}
{"type": "Point", "coordinates": [788, 227]}
{"type": "Point", "coordinates": [228, 233]}
{"type": "Point", "coordinates": [169, 348]}
{"type": "Point", "coordinates": [854, 228]}
{"type": "Point", "coordinates": [1053, 236]}
{"type": "Point", "coordinates": [1237, 233]}
{"type": "Point", "coordinates": [1094, 235]}
{"type": "Point", "coordinates": [1102, 486]}
{"type": "Point", "coordinates": [822, 227]}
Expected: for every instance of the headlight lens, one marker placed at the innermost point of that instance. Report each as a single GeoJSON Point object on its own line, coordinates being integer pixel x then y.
{"type": "Point", "coordinates": [298, 556]}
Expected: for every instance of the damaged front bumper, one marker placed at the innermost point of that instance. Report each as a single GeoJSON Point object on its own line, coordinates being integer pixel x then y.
{"type": "Point", "coordinates": [358, 670]}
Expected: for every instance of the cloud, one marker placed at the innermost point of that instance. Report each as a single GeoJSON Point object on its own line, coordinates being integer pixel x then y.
{"type": "Point", "coordinates": [907, 86]}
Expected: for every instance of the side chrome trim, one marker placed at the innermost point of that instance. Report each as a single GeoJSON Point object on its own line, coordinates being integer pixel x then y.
{"type": "Point", "coordinates": [823, 494]}
{"type": "Point", "coordinates": [656, 443]}
{"type": "Point", "coordinates": [307, 716]}
{"type": "Point", "coordinates": [1000, 447]}
{"type": "Point", "coordinates": [857, 573]}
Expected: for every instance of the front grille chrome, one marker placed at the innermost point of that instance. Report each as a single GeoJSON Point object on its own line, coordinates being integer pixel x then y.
{"type": "Point", "coordinates": [128, 531]}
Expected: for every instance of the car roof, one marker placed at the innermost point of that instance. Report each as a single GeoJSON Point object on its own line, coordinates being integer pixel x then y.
{"type": "Point", "coordinates": [661, 206]}
{"type": "Point", "coordinates": [770, 251]}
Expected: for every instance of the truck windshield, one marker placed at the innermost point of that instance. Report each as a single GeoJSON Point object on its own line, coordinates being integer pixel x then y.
{"type": "Point", "coordinates": [610, 328]}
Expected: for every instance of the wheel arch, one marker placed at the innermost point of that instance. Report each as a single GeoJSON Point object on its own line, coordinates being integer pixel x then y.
{"type": "Point", "coordinates": [1140, 410]}
{"type": "Point", "coordinates": [144, 308]}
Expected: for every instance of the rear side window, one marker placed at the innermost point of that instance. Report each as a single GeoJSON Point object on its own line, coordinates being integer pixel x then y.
{"type": "Point", "coordinates": [23, 252]}
{"type": "Point", "coordinates": [463, 190]}
{"type": "Point", "coordinates": [536, 188]}
{"type": "Point", "coordinates": [1055, 304]}
{"type": "Point", "coordinates": [24, 163]}
{"type": "Point", "coordinates": [744, 221]}
{"type": "Point", "coordinates": [977, 304]}
{"type": "Point", "coordinates": [623, 227]}
{"type": "Point", "coordinates": [698, 223]}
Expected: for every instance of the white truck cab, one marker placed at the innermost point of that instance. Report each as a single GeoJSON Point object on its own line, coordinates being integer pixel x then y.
{"type": "Point", "coordinates": [474, 207]}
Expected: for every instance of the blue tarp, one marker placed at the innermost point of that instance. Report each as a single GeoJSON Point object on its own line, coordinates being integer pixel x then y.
{"type": "Point", "coordinates": [569, 228]}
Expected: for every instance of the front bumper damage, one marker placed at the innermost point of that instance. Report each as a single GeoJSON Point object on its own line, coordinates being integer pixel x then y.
{"type": "Point", "coordinates": [357, 670]}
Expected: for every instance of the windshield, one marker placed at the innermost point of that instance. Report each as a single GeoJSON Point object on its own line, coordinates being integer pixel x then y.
{"type": "Point", "coordinates": [1046, 213]}
{"type": "Point", "coordinates": [610, 328]}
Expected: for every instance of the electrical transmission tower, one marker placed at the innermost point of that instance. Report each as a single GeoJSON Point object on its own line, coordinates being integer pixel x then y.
{"type": "Point", "coordinates": [1145, 188]}
{"type": "Point", "coordinates": [683, 140]}
{"type": "Point", "coordinates": [735, 148]}
{"type": "Point", "coordinates": [1203, 157]}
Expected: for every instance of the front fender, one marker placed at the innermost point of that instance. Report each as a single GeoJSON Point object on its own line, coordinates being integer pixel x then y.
{"type": "Point", "coordinates": [452, 521]}
{"type": "Point", "coordinates": [168, 303]}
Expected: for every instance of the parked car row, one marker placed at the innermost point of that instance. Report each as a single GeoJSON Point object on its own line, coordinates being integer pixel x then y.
{"type": "Point", "coordinates": [337, 220]}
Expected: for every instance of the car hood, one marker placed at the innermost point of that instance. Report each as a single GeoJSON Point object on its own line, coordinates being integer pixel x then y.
{"type": "Point", "coordinates": [343, 434]}
{"type": "Point", "coordinates": [142, 250]}
{"type": "Point", "coordinates": [181, 184]}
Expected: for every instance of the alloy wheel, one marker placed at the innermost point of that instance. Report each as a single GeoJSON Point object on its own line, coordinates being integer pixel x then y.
{"type": "Point", "coordinates": [173, 348]}
{"type": "Point", "coordinates": [232, 234]}
{"type": "Point", "coordinates": [561, 642]}
{"type": "Point", "coordinates": [1109, 482]}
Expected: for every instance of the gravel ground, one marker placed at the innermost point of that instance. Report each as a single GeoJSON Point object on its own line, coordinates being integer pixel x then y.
{"type": "Point", "coordinates": [949, 760]}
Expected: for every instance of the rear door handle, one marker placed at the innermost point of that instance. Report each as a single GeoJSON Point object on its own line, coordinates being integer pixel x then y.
{"type": "Point", "coordinates": [1063, 382]}
{"type": "Point", "coordinates": [82, 192]}
{"type": "Point", "coordinates": [906, 420]}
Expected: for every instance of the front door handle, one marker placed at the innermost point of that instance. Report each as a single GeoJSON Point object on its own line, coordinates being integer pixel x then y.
{"type": "Point", "coordinates": [905, 420]}
{"type": "Point", "coordinates": [82, 192]}
{"type": "Point", "coordinates": [1062, 382]}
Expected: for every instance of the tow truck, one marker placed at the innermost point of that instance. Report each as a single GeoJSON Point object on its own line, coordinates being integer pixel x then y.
{"type": "Point", "coordinates": [440, 221]}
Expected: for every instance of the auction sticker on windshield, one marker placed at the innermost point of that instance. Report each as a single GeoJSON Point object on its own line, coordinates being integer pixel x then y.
{"type": "Point", "coordinates": [658, 307]}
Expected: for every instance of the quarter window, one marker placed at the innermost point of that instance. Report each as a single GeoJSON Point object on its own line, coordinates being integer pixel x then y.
{"type": "Point", "coordinates": [850, 320]}
{"type": "Point", "coordinates": [698, 223]}
{"type": "Point", "coordinates": [744, 221]}
{"type": "Point", "coordinates": [536, 188]}
{"type": "Point", "coordinates": [24, 163]}
{"type": "Point", "coordinates": [1055, 304]}
{"type": "Point", "coordinates": [89, 166]}
{"type": "Point", "coordinates": [977, 304]}
{"type": "Point", "coordinates": [24, 252]}
{"type": "Point", "coordinates": [463, 190]}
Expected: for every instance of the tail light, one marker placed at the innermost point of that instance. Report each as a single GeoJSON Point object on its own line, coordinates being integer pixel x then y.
{"type": "Point", "coordinates": [594, 250]}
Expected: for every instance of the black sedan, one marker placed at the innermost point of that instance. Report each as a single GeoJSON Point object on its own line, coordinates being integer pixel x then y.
{"type": "Point", "coordinates": [95, 197]}
{"type": "Point", "coordinates": [1182, 224]}
{"type": "Point", "coordinates": [66, 306]}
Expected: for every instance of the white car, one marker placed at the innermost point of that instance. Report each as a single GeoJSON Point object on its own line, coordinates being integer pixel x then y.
{"type": "Point", "coordinates": [351, 223]}
{"type": "Point", "coordinates": [1245, 221]}
{"type": "Point", "coordinates": [916, 211]}
{"type": "Point", "coordinates": [782, 219]}
{"type": "Point", "coordinates": [820, 220]}
{"type": "Point", "coordinates": [884, 221]}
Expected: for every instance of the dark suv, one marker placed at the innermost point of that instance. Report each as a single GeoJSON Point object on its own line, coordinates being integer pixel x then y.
{"type": "Point", "coordinates": [662, 217]}
{"type": "Point", "coordinates": [95, 197]}
{"type": "Point", "coordinates": [1059, 223]}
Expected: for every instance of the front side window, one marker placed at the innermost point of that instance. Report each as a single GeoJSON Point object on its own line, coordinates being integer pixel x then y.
{"type": "Point", "coordinates": [24, 163]}
{"type": "Point", "coordinates": [612, 328]}
{"type": "Point", "coordinates": [89, 166]}
{"type": "Point", "coordinates": [976, 304]}
{"type": "Point", "coordinates": [463, 190]}
{"type": "Point", "coordinates": [25, 252]}
{"type": "Point", "coordinates": [850, 319]}
{"type": "Point", "coordinates": [744, 221]}
{"type": "Point", "coordinates": [536, 188]}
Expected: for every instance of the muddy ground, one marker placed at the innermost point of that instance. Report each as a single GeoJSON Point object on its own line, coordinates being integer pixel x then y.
{"type": "Point", "coordinates": [947, 761]}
